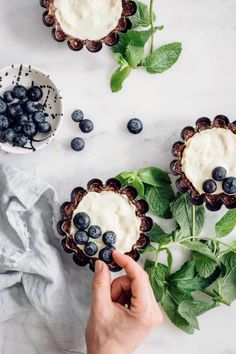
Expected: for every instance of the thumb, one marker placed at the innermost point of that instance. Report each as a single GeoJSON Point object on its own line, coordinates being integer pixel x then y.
{"type": "Point", "coordinates": [101, 285]}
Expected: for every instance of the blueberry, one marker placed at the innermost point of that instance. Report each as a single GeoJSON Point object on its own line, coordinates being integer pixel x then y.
{"type": "Point", "coordinates": [29, 130]}
{"type": "Point", "coordinates": [81, 221]}
{"type": "Point", "coordinates": [4, 123]}
{"type": "Point", "coordinates": [94, 231]}
{"type": "Point", "coordinates": [135, 126]}
{"type": "Point", "coordinates": [77, 115]}
{"type": "Point", "coordinates": [229, 185]}
{"type": "Point", "coordinates": [38, 117]}
{"type": "Point", "coordinates": [105, 254]}
{"type": "Point", "coordinates": [19, 92]}
{"type": "Point", "coordinates": [20, 140]}
{"type": "Point", "coordinates": [81, 237]}
{"type": "Point", "coordinates": [109, 238]}
{"type": "Point", "coordinates": [17, 128]}
{"type": "Point", "coordinates": [31, 107]}
{"type": "Point", "coordinates": [8, 135]}
{"type": "Point", "coordinates": [77, 144]}
{"type": "Point", "coordinates": [90, 249]}
{"type": "Point", "coordinates": [86, 125]}
{"type": "Point", "coordinates": [7, 96]}
{"type": "Point", "coordinates": [44, 127]}
{"type": "Point", "coordinates": [22, 119]}
{"type": "Point", "coordinates": [3, 106]}
{"type": "Point", "coordinates": [15, 109]}
{"type": "Point", "coordinates": [34, 93]}
{"type": "Point", "coordinates": [209, 186]}
{"type": "Point", "coordinates": [219, 173]}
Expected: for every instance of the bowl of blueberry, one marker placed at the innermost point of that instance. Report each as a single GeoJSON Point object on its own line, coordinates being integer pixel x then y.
{"type": "Point", "coordinates": [101, 218]}
{"type": "Point", "coordinates": [31, 109]}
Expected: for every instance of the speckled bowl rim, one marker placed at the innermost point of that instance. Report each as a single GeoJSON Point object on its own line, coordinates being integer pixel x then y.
{"type": "Point", "coordinates": [213, 202]}
{"type": "Point", "coordinates": [96, 185]}
{"type": "Point", "coordinates": [76, 44]}
{"type": "Point", "coordinates": [11, 149]}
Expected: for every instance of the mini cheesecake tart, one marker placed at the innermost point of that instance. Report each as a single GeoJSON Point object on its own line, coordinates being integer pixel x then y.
{"type": "Point", "coordinates": [88, 22]}
{"type": "Point", "coordinates": [202, 149]}
{"type": "Point", "coordinates": [111, 207]}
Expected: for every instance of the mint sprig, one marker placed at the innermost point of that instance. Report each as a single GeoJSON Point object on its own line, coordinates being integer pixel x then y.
{"type": "Point", "coordinates": [132, 48]}
{"type": "Point", "coordinates": [210, 267]}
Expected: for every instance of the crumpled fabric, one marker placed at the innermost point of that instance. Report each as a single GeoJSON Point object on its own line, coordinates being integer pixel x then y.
{"type": "Point", "coordinates": [34, 270]}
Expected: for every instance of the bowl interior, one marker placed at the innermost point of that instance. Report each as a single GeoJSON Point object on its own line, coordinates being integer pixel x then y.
{"type": "Point", "coordinates": [27, 76]}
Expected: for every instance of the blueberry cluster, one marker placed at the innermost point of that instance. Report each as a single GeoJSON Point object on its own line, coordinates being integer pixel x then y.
{"type": "Point", "coordinates": [85, 125]}
{"type": "Point", "coordinates": [219, 174]}
{"type": "Point", "coordinates": [87, 231]}
{"type": "Point", "coordinates": [21, 115]}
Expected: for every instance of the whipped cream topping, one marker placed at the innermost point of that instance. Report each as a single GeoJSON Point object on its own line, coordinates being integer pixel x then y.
{"type": "Point", "coordinates": [88, 19]}
{"type": "Point", "coordinates": [207, 150]}
{"type": "Point", "coordinates": [112, 212]}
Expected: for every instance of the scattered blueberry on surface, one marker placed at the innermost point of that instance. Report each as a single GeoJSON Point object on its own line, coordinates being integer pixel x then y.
{"type": "Point", "coordinates": [7, 96]}
{"type": "Point", "coordinates": [34, 93]}
{"type": "Point", "coordinates": [90, 249]}
{"type": "Point", "coordinates": [20, 140]}
{"type": "Point", "coordinates": [15, 109]}
{"type": "Point", "coordinates": [44, 127]}
{"type": "Point", "coordinates": [77, 115]}
{"type": "Point", "coordinates": [135, 126]}
{"type": "Point", "coordinates": [29, 130]}
{"type": "Point", "coordinates": [81, 221]}
{"type": "Point", "coordinates": [95, 231]}
{"type": "Point", "coordinates": [38, 117]}
{"type": "Point", "coordinates": [109, 238]}
{"type": "Point", "coordinates": [19, 92]}
{"type": "Point", "coordinates": [86, 125]}
{"type": "Point", "coordinates": [219, 173]}
{"type": "Point", "coordinates": [81, 237]}
{"type": "Point", "coordinates": [209, 186]}
{"type": "Point", "coordinates": [3, 106]}
{"type": "Point", "coordinates": [229, 185]}
{"type": "Point", "coordinates": [77, 144]}
{"type": "Point", "coordinates": [105, 254]}
{"type": "Point", "coordinates": [8, 135]}
{"type": "Point", "coordinates": [4, 123]}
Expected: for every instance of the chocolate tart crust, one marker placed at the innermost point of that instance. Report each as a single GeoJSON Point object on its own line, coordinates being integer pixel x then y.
{"type": "Point", "coordinates": [213, 201]}
{"type": "Point", "coordinates": [50, 20]}
{"type": "Point", "coordinates": [96, 185]}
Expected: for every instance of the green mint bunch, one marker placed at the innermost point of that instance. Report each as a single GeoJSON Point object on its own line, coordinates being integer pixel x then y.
{"type": "Point", "coordinates": [210, 267]}
{"type": "Point", "coordinates": [130, 51]}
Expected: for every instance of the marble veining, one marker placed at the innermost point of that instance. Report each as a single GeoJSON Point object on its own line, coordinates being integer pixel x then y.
{"type": "Point", "coordinates": [202, 83]}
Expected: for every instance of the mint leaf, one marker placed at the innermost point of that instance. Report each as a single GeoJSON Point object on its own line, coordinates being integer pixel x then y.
{"type": "Point", "coordinates": [226, 285]}
{"type": "Point", "coordinates": [182, 212]}
{"type": "Point", "coordinates": [171, 308]}
{"type": "Point", "coordinates": [199, 247]}
{"type": "Point", "coordinates": [153, 176]}
{"type": "Point", "coordinates": [135, 49]}
{"type": "Point", "coordinates": [169, 259]}
{"type": "Point", "coordinates": [157, 274]}
{"type": "Point", "coordinates": [118, 77]}
{"type": "Point", "coordinates": [226, 224]}
{"type": "Point", "coordinates": [142, 16]}
{"type": "Point", "coordinates": [148, 249]}
{"type": "Point", "coordinates": [162, 58]}
{"type": "Point", "coordinates": [205, 266]}
{"type": "Point", "coordinates": [131, 179]}
{"type": "Point", "coordinates": [159, 199]}
{"type": "Point", "coordinates": [121, 46]}
{"type": "Point", "coordinates": [120, 60]}
{"type": "Point", "coordinates": [157, 235]}
{"type": "Point", "coordinates": [190, 310]}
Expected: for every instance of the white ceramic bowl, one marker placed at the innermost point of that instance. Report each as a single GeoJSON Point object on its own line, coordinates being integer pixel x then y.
{"type": "Point", "coordinates": [27, 75]}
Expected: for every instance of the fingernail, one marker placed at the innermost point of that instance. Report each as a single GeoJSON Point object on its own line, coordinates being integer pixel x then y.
{"type": "Point", "coordinates": [98, 266]}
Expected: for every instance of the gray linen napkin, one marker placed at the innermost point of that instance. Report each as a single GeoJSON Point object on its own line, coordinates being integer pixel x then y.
{"type": "Point", "coordinates": [34, 271]}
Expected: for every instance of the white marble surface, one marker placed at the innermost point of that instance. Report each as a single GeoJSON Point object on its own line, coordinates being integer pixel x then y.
{"type": "Point", "coordinates": [202, 83]}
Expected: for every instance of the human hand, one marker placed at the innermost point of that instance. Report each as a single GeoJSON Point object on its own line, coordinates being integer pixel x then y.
{"type": "Point", "coordinates": [123, 312]}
